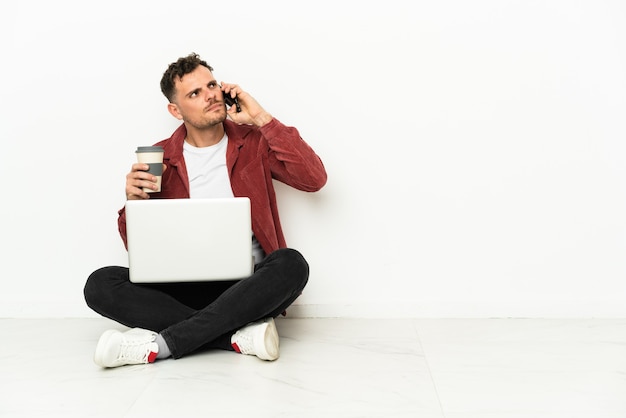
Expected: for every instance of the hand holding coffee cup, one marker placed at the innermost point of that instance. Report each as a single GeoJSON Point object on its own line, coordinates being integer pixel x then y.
{"type": "Point", "coordinates": [153, 157]}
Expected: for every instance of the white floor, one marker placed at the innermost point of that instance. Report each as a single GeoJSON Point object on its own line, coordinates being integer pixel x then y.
{"type": "Point", "coordinates": [330, 368]}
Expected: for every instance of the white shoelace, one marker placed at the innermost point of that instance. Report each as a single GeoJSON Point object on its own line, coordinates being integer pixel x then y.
{"type": "Point", "coordinates": [135, 350]}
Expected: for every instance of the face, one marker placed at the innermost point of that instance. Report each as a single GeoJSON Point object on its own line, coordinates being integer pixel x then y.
{"type": "Point", "coordinates": [198, 100]}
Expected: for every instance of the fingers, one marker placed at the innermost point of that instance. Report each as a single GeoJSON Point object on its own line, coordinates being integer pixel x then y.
{"type": "Point", "coordinates": [230, 89]}
{"type": "Point", "coordinates": [231, 97]}
{"type": "Point", "coordinates": [137, 180]}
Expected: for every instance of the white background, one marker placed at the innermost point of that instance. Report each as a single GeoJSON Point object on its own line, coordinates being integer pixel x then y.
{"type": "Point", "coordinates": [475, 149]}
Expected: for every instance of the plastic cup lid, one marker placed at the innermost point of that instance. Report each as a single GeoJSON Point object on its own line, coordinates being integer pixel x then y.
{"type": "Point", "coordinates": [149, 149]}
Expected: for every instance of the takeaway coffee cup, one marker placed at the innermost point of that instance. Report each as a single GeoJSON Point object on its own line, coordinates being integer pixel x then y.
{"type": "Point", "coordinates": [153, 156]}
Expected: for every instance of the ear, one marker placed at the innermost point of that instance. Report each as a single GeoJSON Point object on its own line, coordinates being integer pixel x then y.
{"type": "Point", "coordinates": [173, 109]}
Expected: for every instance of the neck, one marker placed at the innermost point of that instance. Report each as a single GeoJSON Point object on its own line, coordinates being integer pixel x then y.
{"type": "Point", "coordinates": [206, 137]}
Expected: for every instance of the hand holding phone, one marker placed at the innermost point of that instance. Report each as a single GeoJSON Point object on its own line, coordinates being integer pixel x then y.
{"type": "Point", "coordinates": [231, 101]}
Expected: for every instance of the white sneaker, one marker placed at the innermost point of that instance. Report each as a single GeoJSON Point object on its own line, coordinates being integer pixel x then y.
{"type": "Point", "coordinates": [135, 346]}
{"type": "Point", "coordinates": [258, 339]}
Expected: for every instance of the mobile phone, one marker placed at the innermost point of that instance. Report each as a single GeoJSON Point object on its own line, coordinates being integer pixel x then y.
{"type": "Point", "coordinates": [231, 101]}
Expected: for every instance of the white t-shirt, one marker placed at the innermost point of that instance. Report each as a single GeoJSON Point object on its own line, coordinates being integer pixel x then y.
{"type": "Point", "coordinates": [206, 168]}
{"type": "Point", "coordinates": [208, 178]}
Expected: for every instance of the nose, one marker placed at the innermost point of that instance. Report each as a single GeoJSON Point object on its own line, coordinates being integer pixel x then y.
{"type": "Point", "coordinates": [209, 94]}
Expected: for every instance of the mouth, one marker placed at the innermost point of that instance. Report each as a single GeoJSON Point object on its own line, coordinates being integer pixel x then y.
{"type": "Point", "coordinates": [215, 106]}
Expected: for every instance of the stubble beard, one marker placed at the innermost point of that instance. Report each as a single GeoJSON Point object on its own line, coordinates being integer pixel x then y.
{"type": "Point", "coordinates": [208, 121]}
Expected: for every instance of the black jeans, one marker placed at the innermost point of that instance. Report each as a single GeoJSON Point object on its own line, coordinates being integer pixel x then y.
{"type": "Point", "coordinates": [199, 315]}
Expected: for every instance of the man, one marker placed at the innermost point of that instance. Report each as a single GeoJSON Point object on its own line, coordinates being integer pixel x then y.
{"type": "Point", "coordinates": [216, 152]}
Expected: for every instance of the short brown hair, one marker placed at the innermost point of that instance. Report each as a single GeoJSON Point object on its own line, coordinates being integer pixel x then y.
{"type": "Point", "coordinates": [178, 69]}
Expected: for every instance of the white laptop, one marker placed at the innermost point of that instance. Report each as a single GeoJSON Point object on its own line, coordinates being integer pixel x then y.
{"type": "Point", "coordinates": [187, 240]}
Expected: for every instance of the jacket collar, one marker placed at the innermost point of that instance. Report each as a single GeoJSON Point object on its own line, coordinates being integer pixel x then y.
{"type": "Point", "coordinates": [174, 146]}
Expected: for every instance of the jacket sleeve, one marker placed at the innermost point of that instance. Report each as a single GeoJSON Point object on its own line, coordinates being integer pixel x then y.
{"type": "Point", "coordinates": [292, 160]}
{"type": "Point", "coordinates": [121, 225]}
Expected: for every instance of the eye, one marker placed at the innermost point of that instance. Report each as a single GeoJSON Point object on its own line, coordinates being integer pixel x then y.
{"type": "Point", "coordinates": [212, 84]}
